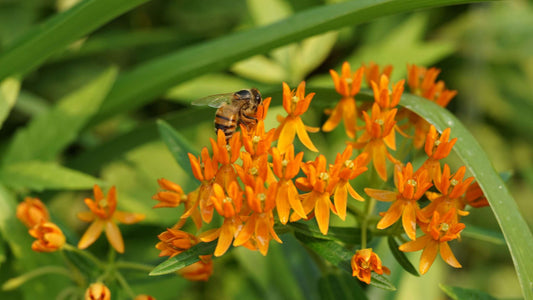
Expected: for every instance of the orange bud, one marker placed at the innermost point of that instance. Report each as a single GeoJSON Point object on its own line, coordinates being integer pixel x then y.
{"type": "Point", "coordinates": [32, 212]}
{"type": "Point", "coordinates": [49, 237]}
{"type": "Point", "coordinates": [97, 291]}
{"type": "Point", "coordinates": [200, 270]}
{"type": "Point", "coordinates": [144, 297]}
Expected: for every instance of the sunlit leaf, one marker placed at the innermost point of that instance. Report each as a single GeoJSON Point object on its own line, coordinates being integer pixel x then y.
{"type": "Point", "coordinates": [349, 235]}
{"type": "Point", "coordinates": [459, 293]}
{"type": "Point", "coordinates": [184, 259]}
{"type": "Point", "coordinates": [177, 145]}
{"type": "Point", "coordinates": [9, 89]}
{"type": "Point", "coordinates": [400, 256]}
{"type": "Point", "coordinates": [38, 175]}
{"type": "Point", "coordinates": [48, 134]}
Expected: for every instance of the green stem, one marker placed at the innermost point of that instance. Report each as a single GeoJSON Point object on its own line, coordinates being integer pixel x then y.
{"type": "Point", "coordinates": [122, 281]}
{"type": "Point", "coordinates": [14, 283]}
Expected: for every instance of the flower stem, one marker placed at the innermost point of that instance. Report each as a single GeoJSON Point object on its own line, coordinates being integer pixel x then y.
{"type": "Point", "coordinates": [133, 266]}
{"type": "Point", "coordinates": [122, 281]}
{"type": "Point", "coordinates": [14, 283]}
{"type": "Point", "coordinates": [85, 254]}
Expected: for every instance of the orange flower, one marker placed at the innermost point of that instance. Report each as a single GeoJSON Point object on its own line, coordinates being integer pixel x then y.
{"type": "Point", "coordinates": [103, 215]}
{"type": "Point", "coordinates": [321, 184]}
{"type": "Point", "coordinates": [250, 170]}
{"type": "Point", "coordinates": [438, 233]}
{"type": "Point", "coordinates": [174, 241]}
{"type": "Point", "coordinates": [379, 135]}
{"type": "Point", "coordinates": [451, 189]}
{"type": "Point", "coordinates": [411, 187]}
{"type": "Point", "coordinates": [262, 109]}
{"type": "Point", "coordinates": [97, 291]}
{"type": "Point", "coordinates": [286, 167]}
{"type": "Point", "coordinates": [347, 85]}
{"type": "Point", "coordinates": [257, 142]}
{"type": "Point", "coordinates": [295, 104]}
{"type": "Point", "coordinates": [226, 153]}
{"type": "Point", "coordinates": [171, 196]}
{"type": "Point", "coordinates": [204, 169]}
{"type": "Point", "coordinates": [346, 169]}
{"type": "Point", "coordinates": [229, 207]}
{"type": "Point", "coordinates": [259, 228]}
{"type": "Point", "coordinates": [382, 94]}
{"type": "Point", "coordinates": [49, 237]}
{"type": "Point", "coordinates": [436, 149]}
{"type": "Point", "coordinates": [200, 270]}
{"type": "Point", "coordinates": [32, 212]}
{"type": "Point", "coordinates": [372, 73]}
{"type": "Point", "coordinates": [364, 262]}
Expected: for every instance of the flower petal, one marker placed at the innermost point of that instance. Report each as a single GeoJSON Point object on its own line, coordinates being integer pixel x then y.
{"type": "Point", "coordinates": [303, 136]}
{"type": "Point", "coordinates": [428, 256]}
{"type": "Point", "coordinates": [447, 255]}
{"type": "Point", "coordinates": [92, 234]}
{"type": "Point", "coordinates": [114, 236]}
{"type": "Point", "coordinates": [128, 218]}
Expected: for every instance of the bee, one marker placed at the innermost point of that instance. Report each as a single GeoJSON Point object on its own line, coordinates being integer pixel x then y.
{"type": "Point", "coordinates": [233, 109]}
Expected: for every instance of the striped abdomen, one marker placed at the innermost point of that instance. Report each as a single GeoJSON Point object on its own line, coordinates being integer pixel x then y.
{"type": "Point", "coordinates": [226, 119]}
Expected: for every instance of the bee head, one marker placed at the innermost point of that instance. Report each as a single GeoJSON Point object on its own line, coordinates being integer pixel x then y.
{"type": "Point", "coordinates": [252, 95]}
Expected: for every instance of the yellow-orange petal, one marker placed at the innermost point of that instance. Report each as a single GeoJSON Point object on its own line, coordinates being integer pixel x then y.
{"type": "Point", "coordinates": [334, 119]}
{"type": "Point", "coordinates": [428, 256]}
{"type": "Point", "coordinates": [114, 236]}
{"type": "Point", "coordinates": [415, 245]}
{"type": "Point", "coordinates": [92, 234]}
{"type": "Point", "coordinates": [409, 220]}
{"type": "Point", "coordinates": [322, 212]}
{"type": "Point", "coordinates": [224, 239]}
{"type": "Point", "coordinates": [340, 198]}
{"type": "Point", "coordinates": [354, 193]}
{"type": "Point", "coordinates": [246, 232]}
{"type": "Point", "coordinates": [391, 216]}
{"type": "Point", "coordinates": [447, 255]}
{"type": "Point", "coordinates": [86, 216]}
{"type": "Point", "coordinates": [286, 135]}
{"type": "Point", "coordinates": [209, 235]}
{"type": "Point", "coordinates": [381, 195]}
{"type": "Point", "coordinates": [303, 136]}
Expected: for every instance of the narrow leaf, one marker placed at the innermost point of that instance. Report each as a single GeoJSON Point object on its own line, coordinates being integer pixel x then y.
{"type": "Point", "coordinates": [56, 33]}
{"type": "Point", "coordinates": [153, 78]}
{"type": "Point", "coordinates": [184, 259]}
{"type": "Point", "coordinates": [348, 235]}
{"type": "Point", "coordinates": [37, 175]}
{"type": "Point", "coordinates": [177, 145]}
{"type": "Point", "coordinates": [48, 134]}
{"type": "Point", "coordinates": [400, 256]}
{"type": "Point", "coordinates": [9, 89]}
{"type": "Point", "coordinates": [459, 293]}
{"type": "Point", "coordinates": [340, 286]}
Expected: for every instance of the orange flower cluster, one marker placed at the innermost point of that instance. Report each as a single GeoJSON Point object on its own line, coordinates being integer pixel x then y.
{"type": "Point", "coordinates": [364, 262]}
{"type": "Point", "coordinates": [34, 214]}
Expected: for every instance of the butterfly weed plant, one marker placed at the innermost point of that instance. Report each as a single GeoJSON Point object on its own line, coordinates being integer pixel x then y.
{"type": "Point", "coordinates": [385, 163]}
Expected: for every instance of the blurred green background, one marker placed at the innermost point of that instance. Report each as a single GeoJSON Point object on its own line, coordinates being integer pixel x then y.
{"type": "Point", "coordinates": [485, 52]}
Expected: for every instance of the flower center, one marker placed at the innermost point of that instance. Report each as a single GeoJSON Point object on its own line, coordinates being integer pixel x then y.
{"type": "Point", "coordinates": [349, 80]}
{"type": "Point", "coordinates": [284, 163]}
{"type": "Point", "coordinates": [261, 197]}
{"type": "Point", "coordinates": [256, 139]}
{"type": "Point", "coordinates": [253, 171]}
{"type": "Point", "coordinates": [348, 164]}
{"type": "Point", "coordinates": [295, 99]}
{"type": "Point", "coordinates": [454, 182]}
{"type": "Point", "coordinates": [202, 165]}
{"type": "Point", "coordinates": [228, 147]}
{"type": "Point", "coordinates": [437, 142]}
{"type": "Point", "coordinates": [323, 176]}
{"type": "Point", "coordinates": [380, 122]}
{"type": "Point", "coordinates": [444, 227]}
{"type": "Point", "coordinates": [227, 200]}
{"type": "Point", "coordinates": [411, 182]}
{"type": "Point", "coordinates": [364, 265]}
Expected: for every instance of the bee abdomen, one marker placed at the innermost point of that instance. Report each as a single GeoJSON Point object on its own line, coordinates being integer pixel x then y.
{"type": "Point", "coordinates": [227, 129]}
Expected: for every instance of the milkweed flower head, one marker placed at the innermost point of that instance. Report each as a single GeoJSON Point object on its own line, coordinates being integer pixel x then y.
{"type": "Point", "coordinates": [364, 262]}
{"type": "Point", "coordinates": [49, 237]}
{"type": "Point", "coordinates": [32, 212]}
{"type": "Point", "coordinates": [437, 147]}
{"type": "Point", "coordinates": [103, 217]}
{"type": "Point", "coordinates": [373, 72]}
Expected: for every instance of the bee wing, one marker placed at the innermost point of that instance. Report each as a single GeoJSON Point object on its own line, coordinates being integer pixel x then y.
{"type": "Point", "coordinates": [215, 101]}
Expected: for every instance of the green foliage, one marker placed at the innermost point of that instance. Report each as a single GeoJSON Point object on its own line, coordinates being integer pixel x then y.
{"type": "Point", "coordinates": [458, 293]}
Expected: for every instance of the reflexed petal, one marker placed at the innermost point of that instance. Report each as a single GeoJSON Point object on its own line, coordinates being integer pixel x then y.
{"type": "Point", "coordinates": [428, 256]}
{"type": "Point", "coordinates": [209, 235]}
{"type": "Point", "coordinates": [86, 216]}
{"type": "Point", "coordinates": [246, 232]}
{"type": "Point", "coordinates": [334, 119]}
{"type": "Point", "coordinates": [303, 136]}
{"type": "Point", "coordinates": [225, 239]}
{"type": "Point", "coordinates": [447, 255]}
{"type": "Point", "coordinates": [295, 201]}
{"type": "Point", "coordinates": [287, 133]}
{"type": "Point", "coordinates": [92, 234]}
{"type": "Point", "coordinates": [378, 158]}
{"type": "Point", "coordinates": [340, 198]}
{"type": "Point", "coordinates": [416, 245]}
{"type": "Point", "coordinates": [322, 212]}
{"type": "Point", "coordinates": [409, 220]}
{"type": "Point", "coordinates": [282, 203]}
{"type": "Point", "coordinates": [354, 193]}
{"type": "Point", "coordinates": [381, 195]}
{"type": "Point", "coordinates": [392, 215]}
{"type": "Point", "coordinates": [114, 236]}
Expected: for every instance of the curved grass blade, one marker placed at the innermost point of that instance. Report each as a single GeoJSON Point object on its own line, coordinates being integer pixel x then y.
{"type": "Point", "coordinates": [177, 145]}
{"type": "Point", "coordinates": [155, 77]}
{"type": "Point", "coordinates": [340, 286]}
{"type": "Point", "coordinates": [9, 90]}
{"type": "Point", "coordinates": [400, 256]}
{"type": "Point", "coordinates": [56, 33]}
{"type": "Point", "coordinates": [514, 227]}
{"type": "Point", "coordinates": [184, 259]}
{"type": "Point", "coordinates": [459, 293]}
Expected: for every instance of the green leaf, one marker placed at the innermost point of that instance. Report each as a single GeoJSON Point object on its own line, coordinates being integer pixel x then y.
{"type": "Point", "coordinates": [9, 89]}
{"type": "Point", "coordinates": [177, 145]}
{"type": "Point", "coordinates": [48, 134]}
{"type": "Point", "coordinates": [459, 293]}
{"type": "Point", "coordinates": [31, 50]}
{"type": "Point", "coordinates": [340, 286]}
{"type": "Point", "coordinates": [400, 256]}
{"type": "Point", "coordinates": [38, 175]}
{"type": "Point", "coordinates": [348, 235]}
{"type": "Point", "coordinates": [184, 259]}
{"type": "Point", "coordinates": [514, 227]}
{"type": "Point", "coordinates": [153, 78]}
{"type": "Point", "coordinates": [340, 257]}
{"type": "Point", "coordinates": [208, 84]}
